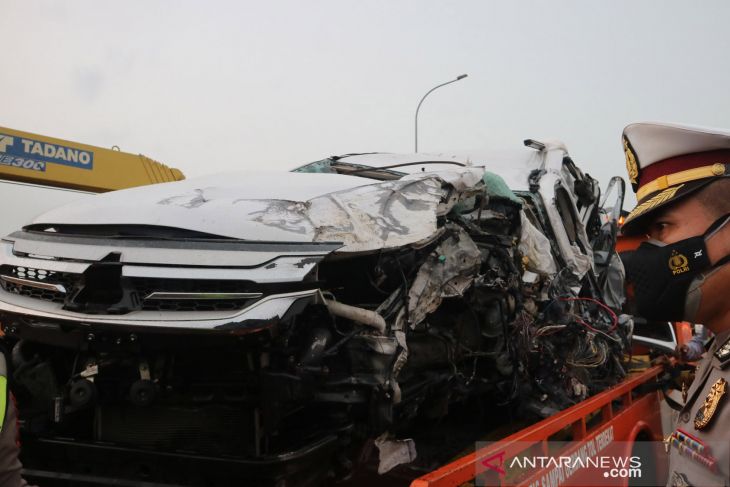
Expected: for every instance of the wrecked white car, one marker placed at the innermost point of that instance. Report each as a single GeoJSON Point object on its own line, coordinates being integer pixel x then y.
{"type": "Point", "coordinates": [267, 326]}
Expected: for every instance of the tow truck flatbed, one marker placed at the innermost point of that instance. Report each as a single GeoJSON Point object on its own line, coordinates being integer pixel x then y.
{"type": "Point", "coordinates": [631, 409]}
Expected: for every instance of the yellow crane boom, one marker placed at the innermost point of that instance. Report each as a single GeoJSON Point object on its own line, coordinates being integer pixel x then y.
{"type": "Point", "coordinates": [37, 159]}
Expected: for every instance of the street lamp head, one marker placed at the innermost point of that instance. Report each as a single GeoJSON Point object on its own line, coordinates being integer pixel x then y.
{"type": "Point", "coordinates": [460, 77]}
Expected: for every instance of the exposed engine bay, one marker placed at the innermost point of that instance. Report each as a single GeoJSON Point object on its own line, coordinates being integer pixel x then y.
{"type": "Point", "coordinates": [407, 287]}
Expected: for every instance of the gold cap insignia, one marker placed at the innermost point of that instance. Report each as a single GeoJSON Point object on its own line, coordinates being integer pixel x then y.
{"type": "Point", "coordinates": [709, 407]}
{"type": "Point", "coordinates": [678, 263]}
{"type": "Point", "coordinates": [631, 166]}
{"type": "Point", "coordinates": [653, 202]}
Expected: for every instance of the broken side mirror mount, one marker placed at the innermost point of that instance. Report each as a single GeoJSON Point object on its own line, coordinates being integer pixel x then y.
{"type": "Point", "coordinates": [614, 211]}
{"type": "Point", "coordinates": [610, 211]}
{"type": "Point", "coordinates": [609, 267]}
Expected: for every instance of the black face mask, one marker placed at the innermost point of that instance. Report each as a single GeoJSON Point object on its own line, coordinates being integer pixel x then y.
{"type": "Point", "coordinates": [662, 273]}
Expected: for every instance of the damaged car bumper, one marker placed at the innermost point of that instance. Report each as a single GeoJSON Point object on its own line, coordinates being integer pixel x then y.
{"type": "Point", "coordinates": [152, 284]}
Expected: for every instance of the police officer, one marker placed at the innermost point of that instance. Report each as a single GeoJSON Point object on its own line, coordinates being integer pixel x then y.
{"type": "Point", "coordinates": [9, 464]}
{"type": "Point", "coordinates": [681, 176]}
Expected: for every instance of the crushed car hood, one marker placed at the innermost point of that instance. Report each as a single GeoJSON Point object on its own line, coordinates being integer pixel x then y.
{"type": "Point", "coordinates": [361, 213]}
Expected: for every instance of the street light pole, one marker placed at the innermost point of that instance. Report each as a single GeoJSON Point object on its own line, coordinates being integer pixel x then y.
{"type": "Point", "coordinates": [460, 77]}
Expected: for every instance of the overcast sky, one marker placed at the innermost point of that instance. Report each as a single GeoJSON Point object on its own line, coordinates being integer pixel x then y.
{"type": "Point", "coordinates": [213, 86]}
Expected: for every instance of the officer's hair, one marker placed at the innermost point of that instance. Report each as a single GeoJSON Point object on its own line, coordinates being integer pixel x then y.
{"type": "Point", "coordinates": [716, 197]}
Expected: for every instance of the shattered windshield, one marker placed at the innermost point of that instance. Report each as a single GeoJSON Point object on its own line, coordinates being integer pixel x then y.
{"type": "Point", "coordinates": [337, 166]}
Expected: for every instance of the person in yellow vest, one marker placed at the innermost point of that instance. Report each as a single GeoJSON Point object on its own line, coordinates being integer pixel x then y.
{"type": "Point", "coordinates": [10, 466]}
{"type": "Point", "coordinates": [681, 176]}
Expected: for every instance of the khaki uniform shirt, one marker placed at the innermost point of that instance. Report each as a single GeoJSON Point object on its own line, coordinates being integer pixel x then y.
{"type": "Point", "coordinates": [683, 469]}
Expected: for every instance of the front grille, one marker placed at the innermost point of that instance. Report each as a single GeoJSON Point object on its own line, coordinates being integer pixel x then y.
{"type": "Point", "coordinates": [65, 279]}
{"type": "Point", "coordinates": [195, 304]}
{"type": "Point", "coordinates": [31, 292]}
{"type": "Point", "coordinates": [147, 286]}
{"type": "Point", "coordinates": [141, 287]}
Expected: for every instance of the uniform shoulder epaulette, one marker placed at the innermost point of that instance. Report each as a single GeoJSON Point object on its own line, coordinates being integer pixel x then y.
{"type": "Point", "coordinates": [723, 353]}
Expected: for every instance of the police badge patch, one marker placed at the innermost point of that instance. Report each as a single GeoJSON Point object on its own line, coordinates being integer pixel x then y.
{"type": "Point", "coordinates": [709, 408]}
